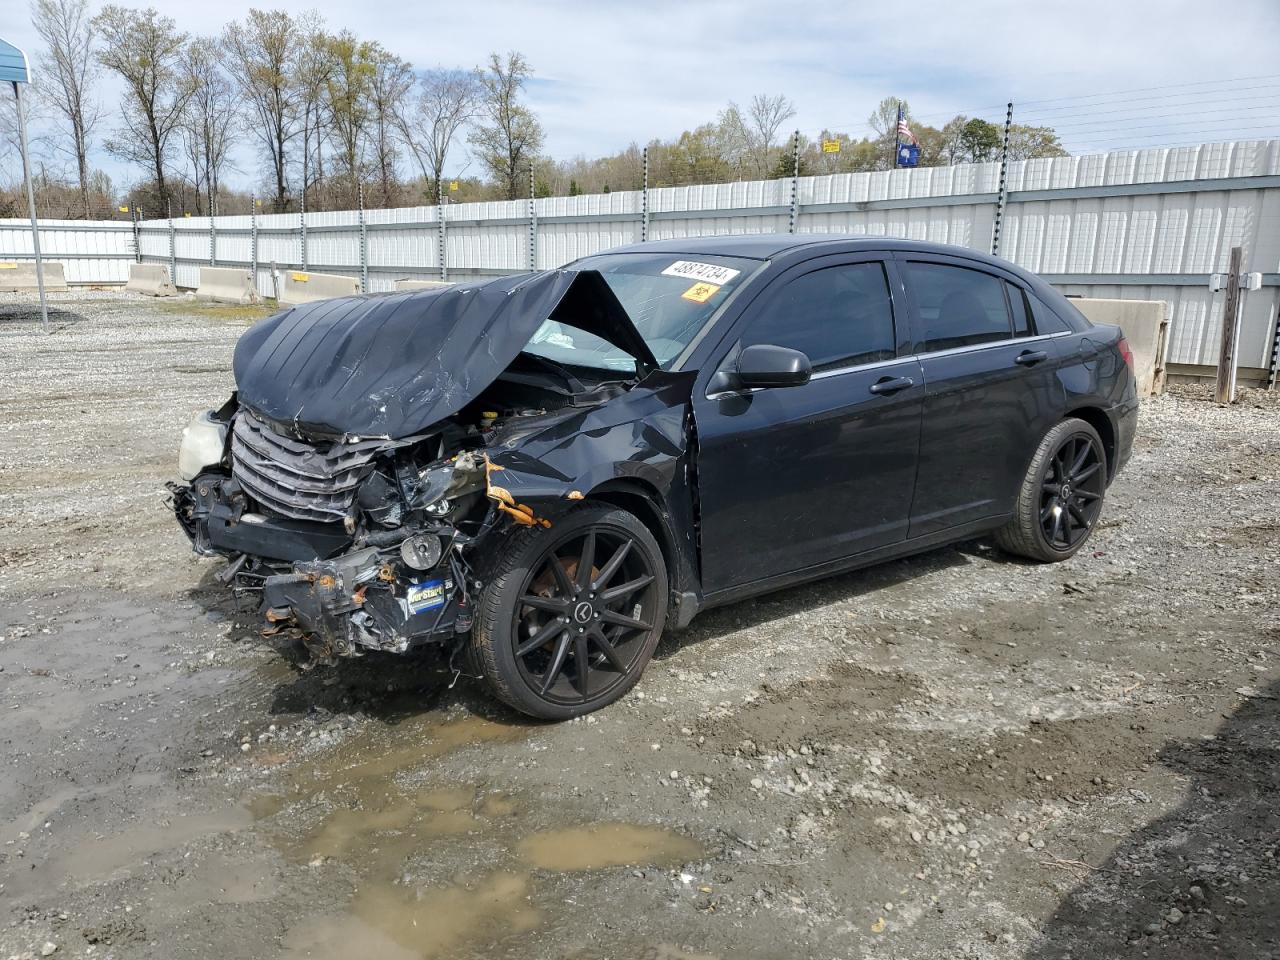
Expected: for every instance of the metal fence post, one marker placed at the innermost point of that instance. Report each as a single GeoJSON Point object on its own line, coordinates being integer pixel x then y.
{"type": "Point", "coordinates": [644, 200]}
{"type": "Point", "coordinates": [213, 241]}
{"type": "Point", "coordinates": [135, 215]}
{"type": "Point", "coordinates": [253, 239]}
{"type": "Point", "coordinates": [364, 240]}
{"type": "Point", "coordinates": [795, 182]}
{"type": "Point", "coordinates": [302, 222]}
{"type": "Point", "coordinates": [1001, 193]}
{"type": "Point", "coordinates": [533, 226]}
{"type": "Point", "coordinates": [173, 248]}
{"type": "Point", "coordinates": [440, 238]}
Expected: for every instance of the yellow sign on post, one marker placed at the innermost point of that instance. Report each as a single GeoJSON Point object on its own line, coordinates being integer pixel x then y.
{"type": "Point", "coordinates": [830, 146]}
{"type": "Point", "coordinates": [453, 186]}
{"type": "Point", "coordinates": [124, 209]}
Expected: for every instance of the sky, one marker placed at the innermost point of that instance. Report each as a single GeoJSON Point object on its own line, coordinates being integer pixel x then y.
{"type": "Point", "coordinates": [609, 73]}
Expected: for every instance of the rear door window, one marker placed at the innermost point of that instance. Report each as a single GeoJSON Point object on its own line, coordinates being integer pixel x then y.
{"type": "Point", "coordinates": [839, 316]}
{"type": "Point", "coordinates": [959, 307]}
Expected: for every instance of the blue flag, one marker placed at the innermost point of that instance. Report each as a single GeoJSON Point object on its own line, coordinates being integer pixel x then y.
{"type": "Point", "coordinates": [908, 155]}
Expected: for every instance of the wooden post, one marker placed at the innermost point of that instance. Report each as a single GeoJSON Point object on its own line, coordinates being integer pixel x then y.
{"type": "Point", "coordinates": [1225, 391]}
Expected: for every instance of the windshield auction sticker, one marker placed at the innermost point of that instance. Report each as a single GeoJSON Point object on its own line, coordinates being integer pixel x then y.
{"type": "Point", "coordinates": [706, 272]}
{"type": "Point", "coordinates": [700, 292]}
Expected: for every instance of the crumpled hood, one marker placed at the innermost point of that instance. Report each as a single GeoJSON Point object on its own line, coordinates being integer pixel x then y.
{"type": "Point", "coordinates": [391, 365]}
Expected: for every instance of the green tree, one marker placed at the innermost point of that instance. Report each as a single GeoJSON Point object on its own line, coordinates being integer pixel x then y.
{"type": "Point", "coordinates": [979, 141]}
{"type": "Point", "coordinates": [347, 98]}
{"type": "Point", "coordinates": [508, 137]}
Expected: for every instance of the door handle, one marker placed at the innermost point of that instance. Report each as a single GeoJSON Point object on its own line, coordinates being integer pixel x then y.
{"type": "Point", "coordinates": [891, 384]}
{"type": "Point", "coordinates": [1029, 358]}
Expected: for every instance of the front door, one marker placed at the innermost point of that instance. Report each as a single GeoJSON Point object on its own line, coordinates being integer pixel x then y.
{"type": "Point", "coordinates": [793, 477]}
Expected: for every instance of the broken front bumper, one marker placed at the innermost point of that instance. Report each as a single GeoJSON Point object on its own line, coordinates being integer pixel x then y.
{"type": "Point", "coordinates": [343, 598]}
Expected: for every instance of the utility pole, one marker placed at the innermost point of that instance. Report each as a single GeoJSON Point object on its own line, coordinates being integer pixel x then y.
{"type": "Point", "coordinates": [1225, 389]}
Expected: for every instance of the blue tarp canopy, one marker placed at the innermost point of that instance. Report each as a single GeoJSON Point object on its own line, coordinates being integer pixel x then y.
{"type": "Point", "coordinates": [13, 64]}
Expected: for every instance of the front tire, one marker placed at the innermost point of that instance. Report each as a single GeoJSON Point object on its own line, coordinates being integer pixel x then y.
{"type": "Point", "coordinates": [572, 613]}
{"type": "Point", "coordinates": [1061, 496]}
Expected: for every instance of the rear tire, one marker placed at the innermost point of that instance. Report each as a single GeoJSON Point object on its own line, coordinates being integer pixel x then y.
{"type": "Point", "coordinates": [1061, 496]}
{"type": "Point", "coordinates": [571, 614]}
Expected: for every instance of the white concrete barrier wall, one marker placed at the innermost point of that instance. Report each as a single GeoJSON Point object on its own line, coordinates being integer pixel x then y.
{"type": "Point", "coordinates": [226, 285]}
{"type": "Point", "coordinates": [151, 279]}
{"type": "Point", "coordinates": [298, 286]}
{"type": "Point", "coordinates": [1145, 324]}
{"type": "Point", "coordinates": [20, 277]}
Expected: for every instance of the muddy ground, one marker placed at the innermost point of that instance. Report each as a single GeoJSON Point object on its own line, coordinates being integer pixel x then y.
{"type": "Point", "coordinates": [957, 755]}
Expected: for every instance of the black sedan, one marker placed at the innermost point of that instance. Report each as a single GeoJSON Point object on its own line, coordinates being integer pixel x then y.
{"type": "Point", "coordinates": [546, 471]}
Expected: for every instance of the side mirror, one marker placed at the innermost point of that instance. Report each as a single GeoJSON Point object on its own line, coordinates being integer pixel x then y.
{"type": "Point", "coordinates": [766, 365]}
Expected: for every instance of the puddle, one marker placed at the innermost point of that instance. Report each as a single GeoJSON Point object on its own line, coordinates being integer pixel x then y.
{"type": "Point", "coordinates": [394, 922]}
{"type": "Point", "coordinates": [94, 860]}
{"type": "Point", "coordinates": [606, 845]}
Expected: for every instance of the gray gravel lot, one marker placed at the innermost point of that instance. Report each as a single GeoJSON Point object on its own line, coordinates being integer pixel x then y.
{"type": "Point", "coordinates": [956, 755]}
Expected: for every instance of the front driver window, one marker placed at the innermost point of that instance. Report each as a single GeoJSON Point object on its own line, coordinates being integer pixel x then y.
{"type": "Point", "coordinates": [837, 316]}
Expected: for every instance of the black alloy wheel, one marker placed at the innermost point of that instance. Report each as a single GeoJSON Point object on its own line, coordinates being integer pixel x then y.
{"type": "Point", "coordinates": [572, 618]}
{"type": "Point", "coordinates": [1072, 489]}
{"type": "Point", "coordinates": [1061, 496]}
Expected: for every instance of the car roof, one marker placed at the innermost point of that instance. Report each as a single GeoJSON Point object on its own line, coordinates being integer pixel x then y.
{"type": "Point", "coordinates": [764, 246]}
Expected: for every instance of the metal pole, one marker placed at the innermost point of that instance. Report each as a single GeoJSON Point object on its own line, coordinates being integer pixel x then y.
{"type": "Point", "coordinates": [213, 241]}
{"type": "Point", "coordinates": [795, 182]}
{"type": "Point", "coordinates": [173, 249]}
{"type": "Point", "coordinates": [897, 137]}
{"type": "Point", "coordinates": [533, 226]}
{"type": "Point", "coordinates": [253, 239]}
{"type": "Point", "coordinates": [136, 216]}
{"type": "Point", "coordinates": [440, 237]}
{"type": "Point", "coordinates": [364, 240]}
{"type": "Point", "coordinates": [1002, 193]}
{"type": "Point", "coordinates": [644, 200]}
{"type": "Point", "coordinates": [31, 206]}
{"type": "Point", "coordinates": [302, 220]}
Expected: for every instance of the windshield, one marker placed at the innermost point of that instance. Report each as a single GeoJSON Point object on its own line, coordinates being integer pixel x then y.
{"type": "Point", "coordinates": [668, 297]}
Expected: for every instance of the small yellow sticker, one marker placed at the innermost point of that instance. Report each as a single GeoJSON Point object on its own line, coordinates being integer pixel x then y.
{"type": "Point", "coordinates": [701, 292]}
{"type": "Point", "coordinates": [301, 277]}
{"type": "Point", "coordinates": [8, 266]}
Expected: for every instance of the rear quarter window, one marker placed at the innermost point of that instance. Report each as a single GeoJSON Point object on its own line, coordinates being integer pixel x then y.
{"type": "Point", "coordinates": [1046, 320]}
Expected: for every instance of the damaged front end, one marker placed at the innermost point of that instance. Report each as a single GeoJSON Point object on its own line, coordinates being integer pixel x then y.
{"type": "Point", "coordinates": [379, 450]}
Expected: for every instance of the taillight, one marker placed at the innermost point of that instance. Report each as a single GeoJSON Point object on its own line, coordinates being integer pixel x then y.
{"type": "Point", "coordinates": [1125, 352]}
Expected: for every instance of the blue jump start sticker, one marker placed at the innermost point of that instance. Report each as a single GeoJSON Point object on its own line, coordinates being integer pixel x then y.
{"type": "Point", "coordinates": [427, 595]}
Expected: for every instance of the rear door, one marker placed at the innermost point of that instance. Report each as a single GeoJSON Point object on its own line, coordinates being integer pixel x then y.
{"type": "Point", "coordinates": [793, 477]}
{"type": "Point", "coordinates": [991, 388]}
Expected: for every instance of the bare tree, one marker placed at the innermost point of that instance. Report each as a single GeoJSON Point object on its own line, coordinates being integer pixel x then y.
{"type": "Point", "coordinates": [389, 85]}
{"type": "Point", "coordinates": [446, 100]}
{"type": "Point", "coordinates": [765, 118]}
{"type": "Point", "coordinates": [69, 72]}
{"type": "Point", "coordinates": [510, 136]}
{"type": "Point", "coordinates": [145, 50]}
{"type": "Point", "coordinates": [262, 50]}
{"type": "Point", "coordinates": [210, 126]}
{"type": "Point", "coordinates": [312, 71]}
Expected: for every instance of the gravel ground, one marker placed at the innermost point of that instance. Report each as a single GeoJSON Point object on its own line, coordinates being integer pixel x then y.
{"type": "Point", "coordinates": [956, 755]}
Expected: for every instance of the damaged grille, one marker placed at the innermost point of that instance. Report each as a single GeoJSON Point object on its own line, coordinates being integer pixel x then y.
{"type": "Point", "coordinates": [294, 478]}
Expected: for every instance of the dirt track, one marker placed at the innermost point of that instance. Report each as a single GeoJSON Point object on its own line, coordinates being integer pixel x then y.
{"type": "Point", "coordinates": [957, 755]}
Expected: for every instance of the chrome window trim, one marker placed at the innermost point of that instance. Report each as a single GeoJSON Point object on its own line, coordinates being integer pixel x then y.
{"type": "Point", "coordinates": [975, 347]}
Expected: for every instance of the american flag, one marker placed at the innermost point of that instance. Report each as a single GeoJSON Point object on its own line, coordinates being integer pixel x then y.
{"type": "Point", "coordinates": [904, 132]}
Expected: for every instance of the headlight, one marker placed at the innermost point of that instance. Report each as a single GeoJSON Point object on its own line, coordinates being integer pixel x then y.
{"type": "Point", "coordinates": [422, 551]}
{"type": "Point", "coordinates": [203, 441]}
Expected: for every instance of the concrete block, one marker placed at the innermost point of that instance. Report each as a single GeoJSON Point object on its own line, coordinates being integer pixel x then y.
{"type": "Point", "coordinates": [151, 279]}
{"type": "Point", "coordinates": [421, 284]}
{"type": "Point", "coordinates": [21, 277]}
{"type": "Point", "coordinates": [300, 287]}
{"type": "Point", "coordinates": [1146, 326]}
{"type": "Point", "coordinates": [226, 285]}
